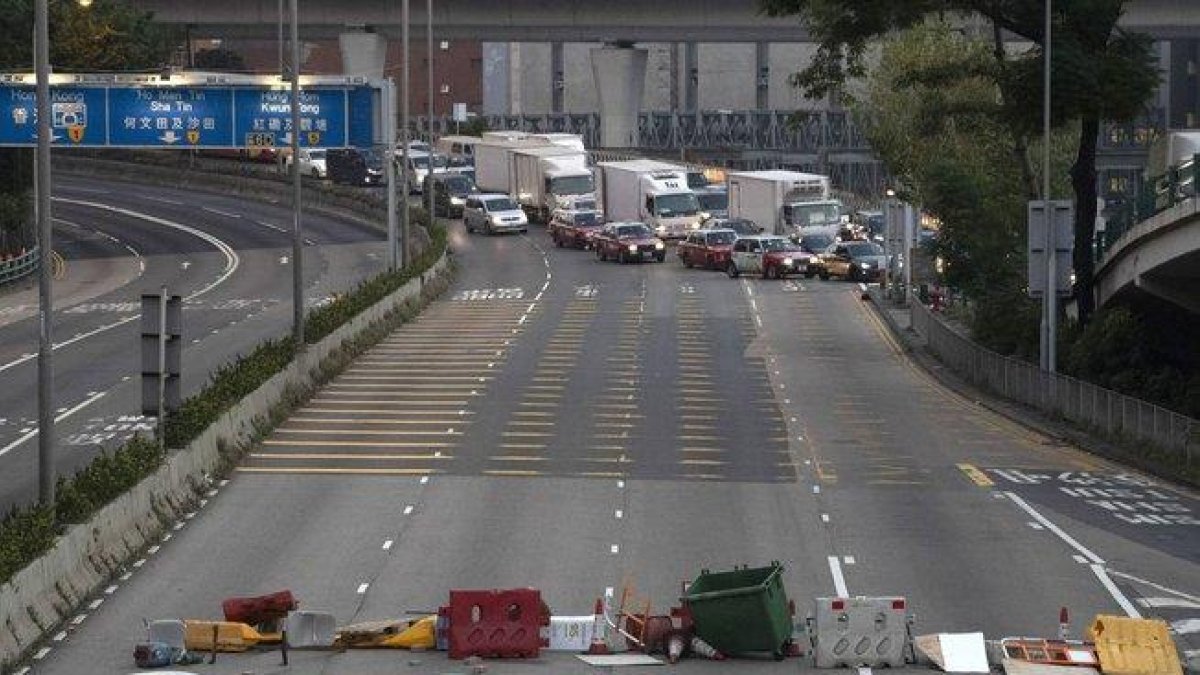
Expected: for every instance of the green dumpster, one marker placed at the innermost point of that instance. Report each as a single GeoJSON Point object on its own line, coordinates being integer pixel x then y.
{"type": "Point", "coordinates": [741, 611]}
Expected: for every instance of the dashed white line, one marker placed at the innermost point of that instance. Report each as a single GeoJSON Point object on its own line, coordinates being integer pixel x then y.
{"type": "Point", "coordinates": [1185, 626]}
{"type": "Point", "coordinates": [839, 581]}
{"type": "Point", "coordinates": [1036, 526]}
{"type": "Point", "coordinates": [615, 549]}
{"type": "Point", "coordinates": [824, 517]}
{"type": "Point", "coordinates": [849, 559]}
{"type": "Point", "coordinates": [41, 653]}
{"type": "Point", "coordinates": [424, 480]}
{"type": "Point", "coordinates": [93, 605]}
{"type": "Point", "coordinates": [162, 200]}
{"type": "Point", "coordinates": [816, 489]}
{"type": "Point", "coordinates": [619, 514]}
{"type": "Point", "coordinates": [219, 212]}
{"type": "Point", "coordinates": [153, 549]}
{"type": "Point", "coordinates": [60, 636]}
{"type": "Point", "coordinates": [387, 545]}
{"type": "Point", "coordinates": [362, 588]}
{"type": "Point", "coordinates": [111, 589]}
{"type": "Point", "coordinates": [78, 619]}
{"type": "Point", "coordinates": [1168, 602]}
{"type": "Point", "coordinates": [408, 509]}
{"type": "Point", "coordinates": [139, 562]}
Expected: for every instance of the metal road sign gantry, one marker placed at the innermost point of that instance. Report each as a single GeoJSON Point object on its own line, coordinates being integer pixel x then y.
{"type": "Point", "coordinates": [191, 111]}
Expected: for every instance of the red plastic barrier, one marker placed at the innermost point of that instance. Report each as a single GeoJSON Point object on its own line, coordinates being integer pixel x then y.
{"type": "Point", "coordinates": [497, 623]}
{"type": "Point", "coordinates": [259, 609]}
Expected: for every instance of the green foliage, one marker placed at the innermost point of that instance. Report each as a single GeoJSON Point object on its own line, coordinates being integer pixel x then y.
{"type": "Point", "coordinates": [25, 534]}
{"type": "Point", "coordinates": [474, 126]}
{"type": "Point", "coordinates": [109, 35]}
{"type": "Point", "coordinates": [1100, 72]}
{"type": "Point", "coordinates": [16, 228]}
{"type": "Point", "coordinates": [1146, 351]}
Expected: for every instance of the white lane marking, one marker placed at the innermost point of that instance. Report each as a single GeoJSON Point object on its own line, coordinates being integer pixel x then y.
{"type": "Point", "coordinates": [615, 549]}
{"type": "Point", "coordinates": [231, 257]}
{"type": "Point", "coordinates": [824, 517]}
{"type": "Point", "coordinates": [231, 264]}
{"type": "Point", "coordinates": [849, 560]}
{"type": "Point", "coordinates": [362, 588]}
{"type": "Point", "coordinates": [162, 200]}
{"type": "Point", "coordinates": [153, 549]}
{"type": "Point", "coordinates": [111, 589]}
{"type": "Point", "coordinates": [138, 563]}
{"type": "Point", "coordinates": [1185, 626]}
{"type": "Point", "coordinates": [620, 484]}
{"type": "Point", "coordinates": [126, 576]}
{"type": "Point", "coordinates": [408, 509]}
{"type": "Point", "coordinates": [424, 480]}
{"type": "Point", "coordinates": [1080, 559]}
{"type": "Point", "coordinates": [839, 581]}
{"type": "Point", "coordinates": [76, 188]}
{"type": "Point", "coordinates": [1130, 610]}
{"type": "Point", "coordinates": [60, 636]}
{"type": "Point", "coordinates": [95, 603]}
{"type": "Point", "coordinates": [608, 591]}
{"type": "Point", "coordinates": [1092, 557]}
{"type": "Point", "coordinates": [1168, 602]}
{"type": "Point", "coordinates": [1151, 584]}
{"type": "Point", "coordinates": [619, 514]}
{"type": "Point", "coordinates": [79, 618]}
{"type": "Point", "coordinates": [219, 212]}
{"type": "Point", "coordinates": [387, 545]}
{"type": "Point", "coordinates": [270, 226]}
{"type": "Point", "coordinates": [88, 401]}
{"type": "Point", "coordinates": [1035, 526]}
{"type": "Point", "coordinates": [816, 489]}
{"type": "Point", "coordinates": [41, 653]}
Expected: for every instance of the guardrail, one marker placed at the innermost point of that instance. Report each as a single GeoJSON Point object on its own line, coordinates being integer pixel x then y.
{"type": "Point", "coordinates": [18, 267]}
{"type": "Point", "coordinates": [1108, 412]}
{"type": "Point", "coordinates": [1179, 183]}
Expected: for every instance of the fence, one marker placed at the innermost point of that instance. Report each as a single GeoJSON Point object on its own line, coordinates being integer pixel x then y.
{"type": "Point", "coordinates": [18, 267]}
{"type": "Point", "coordinates": [1116, 415]}
{"type": "Point", "coordinates": [1159, 193]}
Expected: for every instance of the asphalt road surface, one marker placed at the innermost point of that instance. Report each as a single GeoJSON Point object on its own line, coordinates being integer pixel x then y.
{"type": "Point", "coordinates": [583, 427]}
{"type": "Point", "coordinates": [230, 261]}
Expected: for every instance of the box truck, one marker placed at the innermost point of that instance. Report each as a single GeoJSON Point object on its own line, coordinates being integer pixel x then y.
{"type": "Point", "coordinates": [493, 165]}
{"type": "Point", "coordinates": [783, 202]}
{"type": "Point", "coordinates": [549, 177]}
{"type": "Point", "coordinates": [652, 192]}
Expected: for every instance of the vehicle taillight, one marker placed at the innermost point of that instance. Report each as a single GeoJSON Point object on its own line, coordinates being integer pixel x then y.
{"type": "Point", "coordinates": [838, 604]}
{"type": "Point", "coordinates": [898, 603]}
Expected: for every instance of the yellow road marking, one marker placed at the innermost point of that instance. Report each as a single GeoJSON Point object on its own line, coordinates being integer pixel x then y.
{"type": "Point", "coordinates": [357, 456]}
{"type": "Point", "coordinates": [334, 471]}
{"type": "Point", "coordinates": [977, 477]}
{"type": "Point", "coordinates": [58, 265]}
{"type": "Point", "coordinates": [358, 444]}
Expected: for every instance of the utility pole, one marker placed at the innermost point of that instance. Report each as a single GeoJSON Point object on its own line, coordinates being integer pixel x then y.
{"type": "Point", "coordinates": [1050, 296]}
{"type": "Point", "coordinates": [297, 236]}
{"type": "Point", "coordinates": [41, 57]}
{"type": "Point", "coordinates": [405, 253]}
{"type": "Point", "coordinates": [429, 102]}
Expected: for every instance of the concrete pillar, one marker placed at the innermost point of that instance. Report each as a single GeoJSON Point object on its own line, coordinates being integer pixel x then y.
{"type": "Point", "coordinates": [762, 71]}
{"type": "Point", "coordinates": [495, 78]}
{"type": "Point", "coordinates": [514, 78]}
{"type": "Point", "coordinates": [557, 77]}
{"type": "Point", "coordinates": [1183, 84]}
{"type": "Point", "coordinates": [675, 77]}
{"type": "Point", "coordinates": [691, 81]}
{"type": "Point", "coordinates": [620, 74]}
{"type": "Point", "coordinates": [363, 54]}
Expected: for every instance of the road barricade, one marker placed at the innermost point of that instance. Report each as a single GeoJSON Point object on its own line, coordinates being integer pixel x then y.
{"type": "Point", "coordinates": [496, 623]}
{"type": "Point", "coordinates": [860, 632]}
{"type": "Point", "coordinates": [310, 630]}
{"type": "Point", "coordinates": [1128, 646]}
{"type": "Point", "coordinates": [259, 610]}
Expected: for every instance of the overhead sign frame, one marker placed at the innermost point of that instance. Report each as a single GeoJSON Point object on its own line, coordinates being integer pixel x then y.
{"type": "Point", "coordinates": [192, 110]}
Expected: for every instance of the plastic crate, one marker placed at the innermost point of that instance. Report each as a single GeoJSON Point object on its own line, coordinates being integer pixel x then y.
{"type": "Point", "coordinates": [741, 611]}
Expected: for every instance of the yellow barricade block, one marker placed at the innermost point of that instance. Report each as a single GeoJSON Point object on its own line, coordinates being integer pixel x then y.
{"type": "Point", "coordinates": [389, 634]}
{"type": "Point", "coordinates": [231, 636]}
{"type": "Point", "coordinates": [1128, 646]}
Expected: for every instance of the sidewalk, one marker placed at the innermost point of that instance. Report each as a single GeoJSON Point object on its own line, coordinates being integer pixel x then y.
{"type": "Point", "coordinates": [899, 320]}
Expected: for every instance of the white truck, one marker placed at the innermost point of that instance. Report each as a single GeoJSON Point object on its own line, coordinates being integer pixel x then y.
{"type": "Point", "coordinates": [548, 177]}
{"type": "Point", "coordinates": [783, 202]}
{"type": "Point", "coordinates": [655, 193]}
{"type": "Point", "coordinates": [493, 165]}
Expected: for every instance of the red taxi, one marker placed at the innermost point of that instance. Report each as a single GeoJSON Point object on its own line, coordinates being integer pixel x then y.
{"type": "Point", "coordinates": [707, 248]}
{"type": "Point", "coordinates": [574, 228]}
{"type": "Point", "coordinates": [771, 256]}
{"type": "Point", "coordinates": [628, 242]}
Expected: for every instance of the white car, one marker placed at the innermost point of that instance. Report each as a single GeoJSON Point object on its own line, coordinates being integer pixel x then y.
{"type": "Point", "coordinates": [312, 162]}
{"type": "Point", "coordinates": [492, 213]}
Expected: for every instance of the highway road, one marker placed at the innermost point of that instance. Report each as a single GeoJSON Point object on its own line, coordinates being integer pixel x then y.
{"type": "Point", "coordinates": [229, 259]}
{"type": "Point", "coordinates": [580, 427]}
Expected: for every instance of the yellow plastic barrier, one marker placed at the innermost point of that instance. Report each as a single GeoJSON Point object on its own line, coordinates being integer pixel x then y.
{"type": "Point", "coordinates": [1134, 646]}
{"type": "Point", "coordinates": [231, 637]}
{"type": "Point", "coordinates": [389, 634]}
{"type": "Point", "coordinates": [421, 635]}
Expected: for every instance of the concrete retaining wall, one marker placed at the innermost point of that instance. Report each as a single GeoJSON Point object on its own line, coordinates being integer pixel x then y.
{"type": "Point", "coordinates": [45, 593]}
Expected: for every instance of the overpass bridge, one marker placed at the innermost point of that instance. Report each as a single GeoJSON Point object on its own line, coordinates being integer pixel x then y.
{"type": "Point", "coordinates": [1155, 248]}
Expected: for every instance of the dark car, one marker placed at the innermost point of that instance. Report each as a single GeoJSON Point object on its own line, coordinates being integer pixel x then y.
{"type": "Point", "coordinates": [741, 226]}
{"type": "Point", "coordinates": [706, 248]}
{"type": "Point", "coordinates": [450, 192]}
{"type": "Point", "coordinates": [350, 166]}
{"type": "Point", "coordinates": [628, 242]}
{"type": "Point", "coordinates": [815, 243]}
{"type": "Point", "coordinates": [854, 261]}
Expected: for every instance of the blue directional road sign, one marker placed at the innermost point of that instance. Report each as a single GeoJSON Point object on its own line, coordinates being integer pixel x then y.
{"type": "Point", "coordinates": [135, 116]}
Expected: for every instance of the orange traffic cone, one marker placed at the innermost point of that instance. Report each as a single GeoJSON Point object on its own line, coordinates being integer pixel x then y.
{"type": "Point", "coordinates": [599, 643]}
{"type": "Point", "coordinates": [702, 648]}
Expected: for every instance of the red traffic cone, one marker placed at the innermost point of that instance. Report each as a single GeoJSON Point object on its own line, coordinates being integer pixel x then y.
{"type": "Point", "coordinates": [1064, 624]}
{"type": "Point", "coordinates": [599, 644]}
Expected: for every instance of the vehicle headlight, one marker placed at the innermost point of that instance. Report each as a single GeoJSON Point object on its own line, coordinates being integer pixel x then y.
{"type": "Point", "coordinates": [787, 262]}
{"type": "Point", "coordinates": [633, 248]}
{"type": "Point", "coordinates": [659, 245]}
{"type": "Point", "coordinates": [457, 201]}
{"type": "Point", "coordinates": [660, 229]}
{"type": "Point", "coordinates": [496, 220]}
{"type": "Point", "coordinates": [865, 266]}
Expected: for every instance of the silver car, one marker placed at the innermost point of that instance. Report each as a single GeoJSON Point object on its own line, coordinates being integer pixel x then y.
{"type": "Point", "coordinates": [492, 213]}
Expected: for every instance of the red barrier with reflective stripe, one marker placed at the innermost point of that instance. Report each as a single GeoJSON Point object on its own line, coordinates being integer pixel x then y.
{"type": "Point", "coordinates": [496, 623]}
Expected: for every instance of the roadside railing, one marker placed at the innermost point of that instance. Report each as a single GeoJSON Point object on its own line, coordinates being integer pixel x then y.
{"type": "Point", "coordinates": [1116, 415]}
{"type": "Point", "coordinates": [19, 266]}
{"type": "Point", "coordinates": [1178, 184]}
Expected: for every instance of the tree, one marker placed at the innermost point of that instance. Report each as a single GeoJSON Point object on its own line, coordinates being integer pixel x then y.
{"type": "Point", "coordinates": [106, 36]}
{"type": "Point", "coordinates": [218, 60]}
{"type": "Point", "coordinates": [1100, 72]}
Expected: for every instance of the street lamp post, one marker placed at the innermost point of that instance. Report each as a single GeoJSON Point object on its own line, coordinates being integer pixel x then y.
{"type": "Point", "coordinates": [404, 87]}
{"type": "Point", "coordinates": [297, 237]}
{"type": "Point", "coordinates": [429, 103]}
{"type": "Point", "coordinates": [1050, 293]}
{"type": "Point", "coordinates": [41, 58]}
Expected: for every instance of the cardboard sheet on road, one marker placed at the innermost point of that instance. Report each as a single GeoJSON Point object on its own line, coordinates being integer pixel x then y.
{"type": "Point", "coordinates": [955, 652]}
